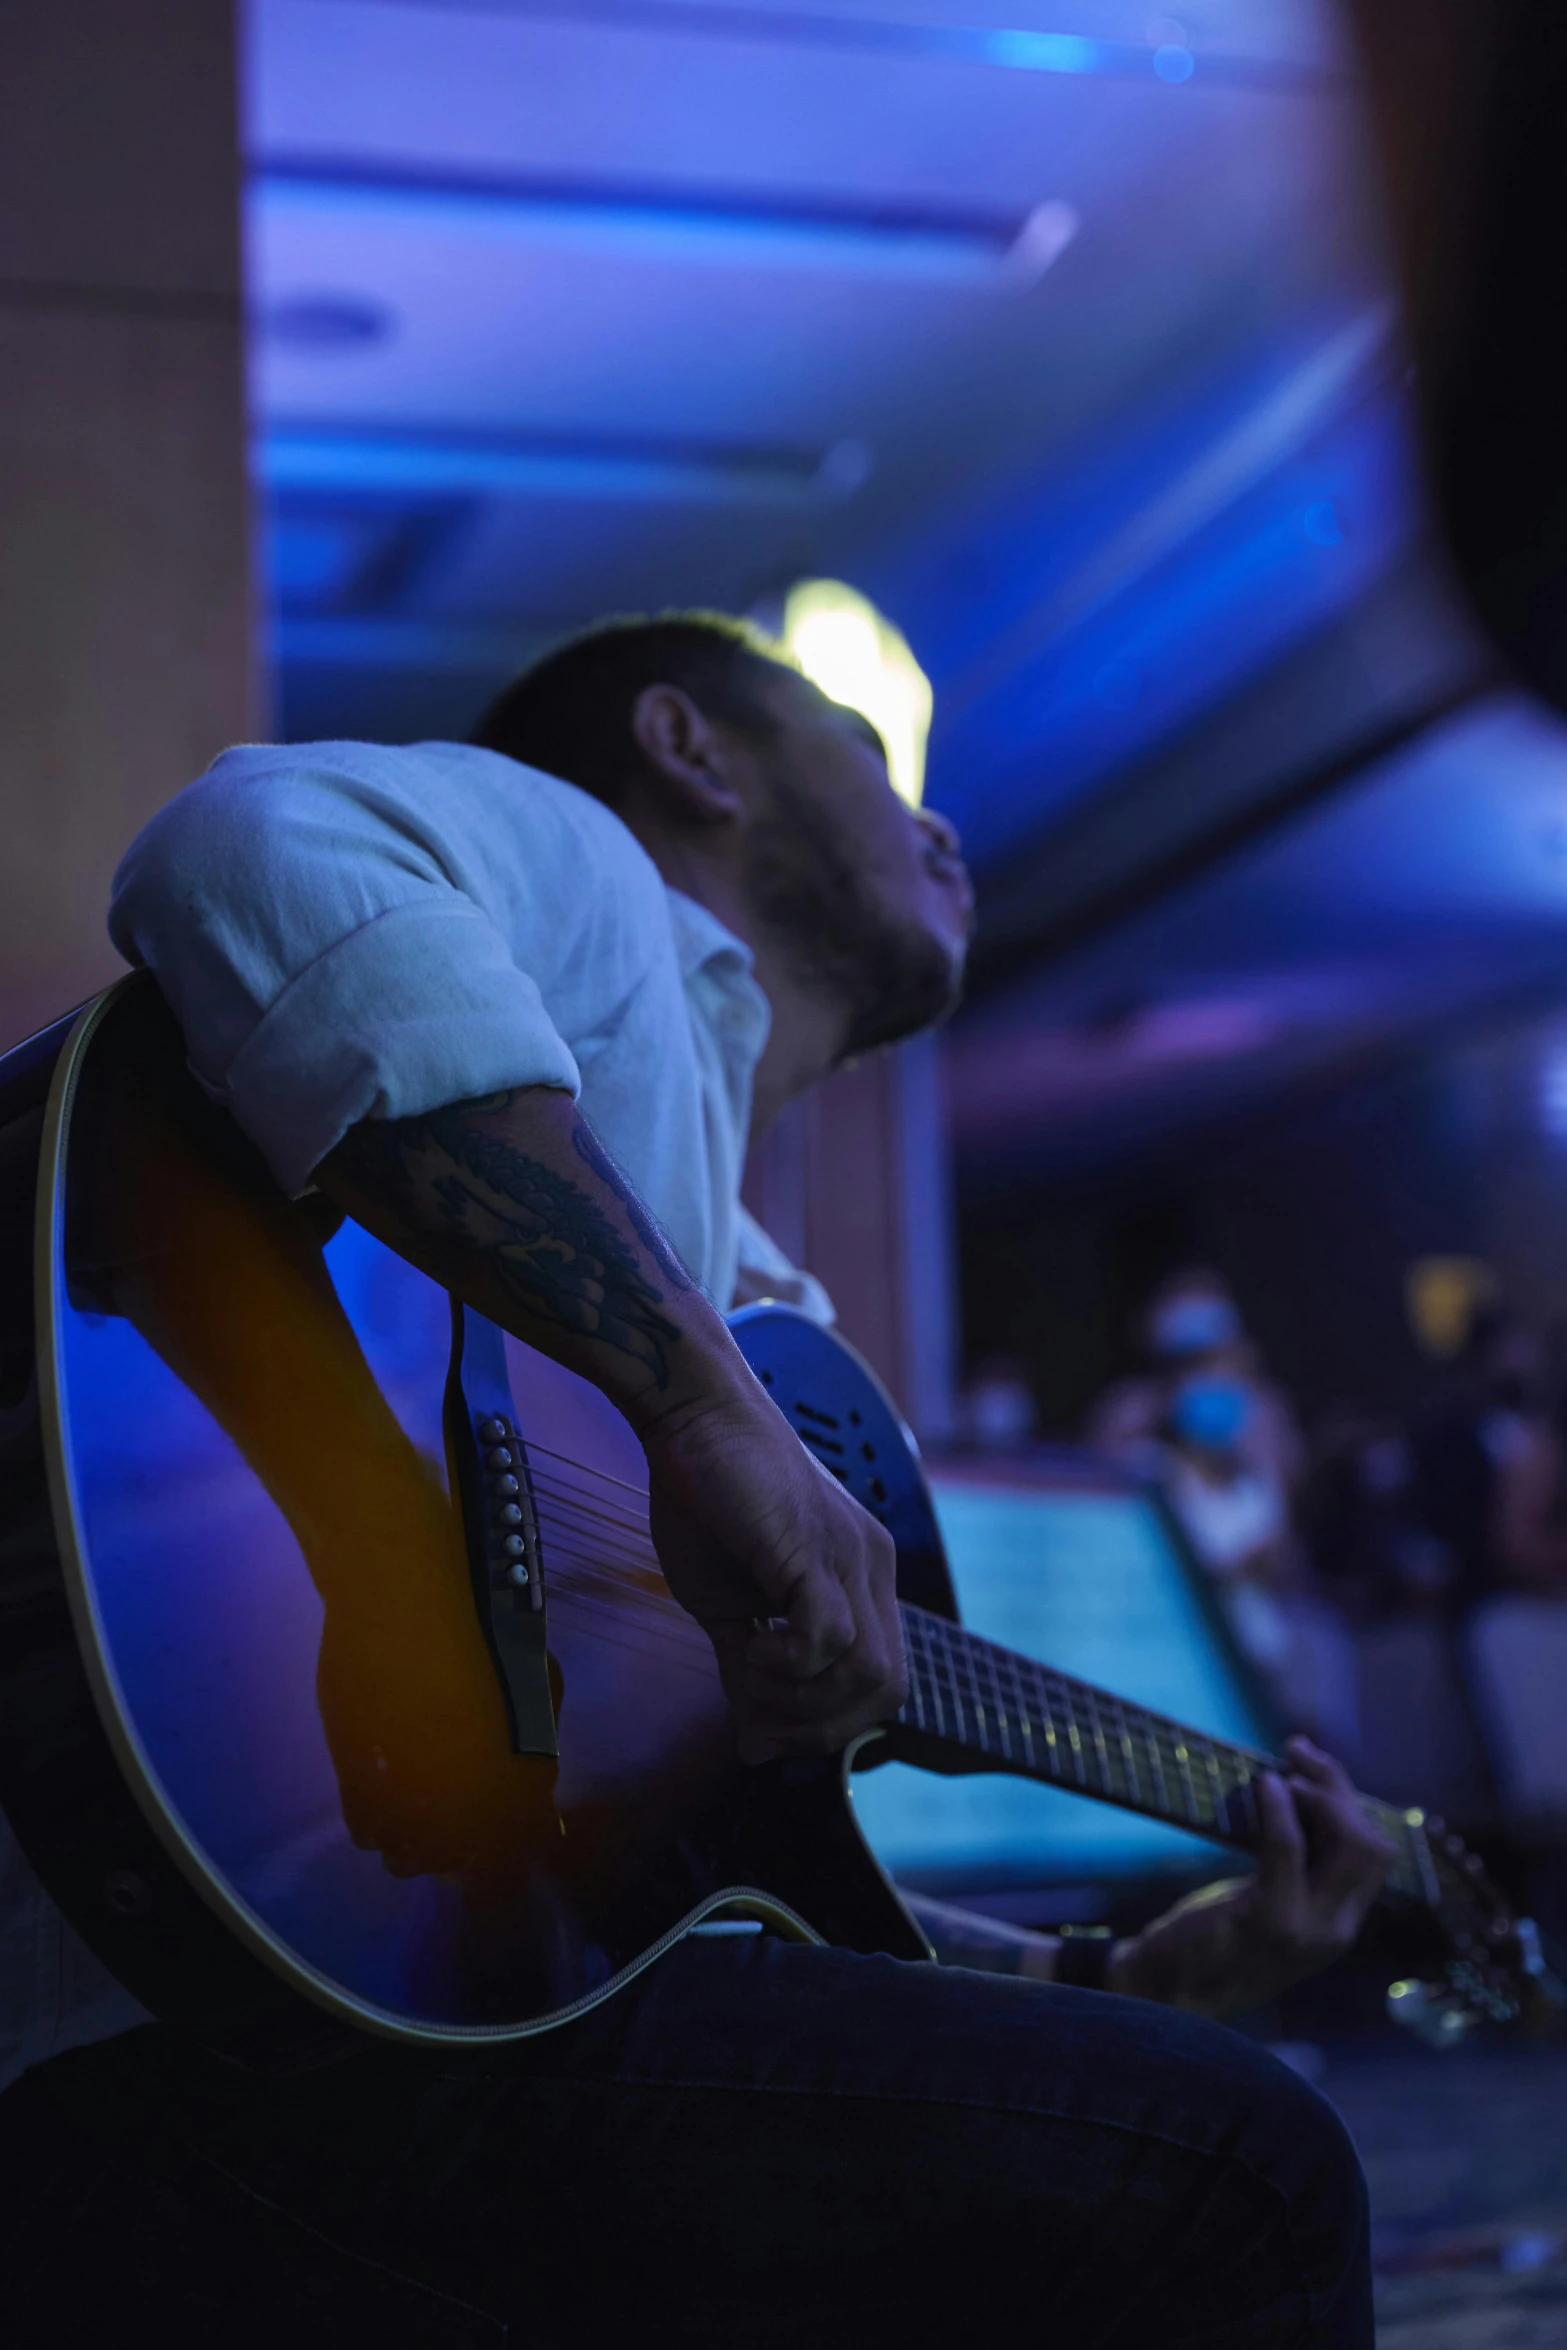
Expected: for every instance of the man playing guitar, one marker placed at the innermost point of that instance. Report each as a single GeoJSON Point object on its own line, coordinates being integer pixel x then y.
{"type": "Point", "coordinates": [520, 1028]}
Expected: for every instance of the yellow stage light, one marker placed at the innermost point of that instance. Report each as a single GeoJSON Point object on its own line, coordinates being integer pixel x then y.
{"type": "Point", "coordinates": [844, 645]}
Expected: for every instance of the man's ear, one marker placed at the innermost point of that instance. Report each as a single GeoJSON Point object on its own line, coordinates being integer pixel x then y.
{"type": "Point", "coordinates": [688, 756]}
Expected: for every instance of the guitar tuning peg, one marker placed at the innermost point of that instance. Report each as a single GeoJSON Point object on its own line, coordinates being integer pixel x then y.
{"type": "Point", "coordinates": [1454, 1844]}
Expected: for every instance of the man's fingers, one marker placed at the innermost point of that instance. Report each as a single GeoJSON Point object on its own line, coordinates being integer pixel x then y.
{"type": "Point", "coordinates": [840, 1605]}
{"type": "Point", "coordinates": [870, 1672]}
{"type": "Point", "coordinates": [836, 1598]}
{"type": "Point", "coordinates": [1352, 1856]}
{"type": "Point", "coordinates": [845, 1688]}
{"type": "Point", "coordinates": [1281, 1850]}
{"type": "Point", "coordinates": [1310, 1762]}
{"type": "Point", "coordinates": [783, 1707]}
{"type": "Point", "coordinates": [819, 1622]}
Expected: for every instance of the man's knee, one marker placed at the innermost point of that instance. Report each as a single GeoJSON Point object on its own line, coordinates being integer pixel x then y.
{"type": "Point", "coordinates": [1299, 2144]}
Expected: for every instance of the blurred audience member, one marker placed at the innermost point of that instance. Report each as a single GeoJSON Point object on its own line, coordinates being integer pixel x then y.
{"type": "Point", "coordinates": [1224, 1444]}
{"type": "Point", "coordinates": [1490, 1466]}
{"type": "Point", "coordinates": [1192, 1324]}
{"type": "Point", "coordinates": [997, 1411]}
{"type": "Point", "coordinates": [1234, 1514]}
{"type": "Point", "coordinates": [1359, 1516]}
{"type": "Point", "coordinates": [1237, 1517]}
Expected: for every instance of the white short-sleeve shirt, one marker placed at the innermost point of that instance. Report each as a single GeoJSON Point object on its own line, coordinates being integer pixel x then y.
{"type": "Point", "coordinates": [348, 931]}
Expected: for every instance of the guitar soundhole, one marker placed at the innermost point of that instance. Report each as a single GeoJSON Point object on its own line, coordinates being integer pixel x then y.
{"type": "Point", "coordinates": [838, 1441]}
{"type": "Point", "coordinates": [824, 1447]}
{"type": "Point", "coordinates": [820, 1444]}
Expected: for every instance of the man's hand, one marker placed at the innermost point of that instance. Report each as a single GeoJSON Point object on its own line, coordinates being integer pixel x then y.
{"type": "Point", "coordinates": [1320, 1866]}
{"type": "Point", "coordinates": [792, 1581]}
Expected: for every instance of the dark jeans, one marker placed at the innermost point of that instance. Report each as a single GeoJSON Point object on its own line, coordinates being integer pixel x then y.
{"type": "Point", "coordinates": [757, 2145]}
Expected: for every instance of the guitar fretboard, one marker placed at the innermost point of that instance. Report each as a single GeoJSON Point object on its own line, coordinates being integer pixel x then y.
{"type": "Point", "coordinates": [1039, 1724]}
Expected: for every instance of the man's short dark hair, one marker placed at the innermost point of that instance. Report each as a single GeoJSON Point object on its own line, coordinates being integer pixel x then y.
{"type": "Point", "coordinates": [570, 713]}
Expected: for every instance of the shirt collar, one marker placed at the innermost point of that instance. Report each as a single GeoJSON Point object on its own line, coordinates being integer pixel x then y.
{"type": "Point", "coordinates": [701, 940]}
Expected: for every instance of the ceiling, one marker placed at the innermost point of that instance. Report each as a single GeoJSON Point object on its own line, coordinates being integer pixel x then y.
{"type": "Point", "coordinates": [1432, 893]}
{"type": "Point", "coordinates": [1062, 330]}
{"type": "Point", "coordinates": [567, 309]}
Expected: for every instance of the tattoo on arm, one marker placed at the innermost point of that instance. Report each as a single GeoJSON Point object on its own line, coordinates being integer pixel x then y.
{"type": "Point", "coordinates": [543, 1237]}
{"type": "Point", "coordinates": [588, 1148]}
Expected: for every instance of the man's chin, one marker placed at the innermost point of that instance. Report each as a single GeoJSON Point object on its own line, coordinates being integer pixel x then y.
{"type": "Point", "coordinates": [923, 998]}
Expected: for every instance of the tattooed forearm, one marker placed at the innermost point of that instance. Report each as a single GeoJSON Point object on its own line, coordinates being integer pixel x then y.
{"type": "Point", "coordinates": [588, 1148]}
{"type": "Point", "coordinates": [473, 1195]}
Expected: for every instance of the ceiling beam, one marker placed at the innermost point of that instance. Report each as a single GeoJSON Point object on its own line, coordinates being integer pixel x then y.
{"type": "Point", "coordinates": [1400, 661]}
{"type": "Point", "coordinates": [1004, 48]}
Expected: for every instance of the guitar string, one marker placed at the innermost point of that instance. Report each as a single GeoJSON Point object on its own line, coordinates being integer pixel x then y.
{"type": "Point", "coordinates": [1124, 1781]}
{"type": "Point", "coordinates": [1048, 1687]}
{"type": "Point", "coordinates": [1152, 1733]}
{"type": "Point", "coordinates": [1155, 1731]}
{"type": "Point", "coordinates": [1231, 1768]}
{"type": "Point", "coordinates": [605, 1596]}
{"type": "Point", "coordinates": [612, 1593]}
{"type": "Point", "coordinates": [1218, 1751]}
{"type": "Point", "coordinates": [1149, 1726]}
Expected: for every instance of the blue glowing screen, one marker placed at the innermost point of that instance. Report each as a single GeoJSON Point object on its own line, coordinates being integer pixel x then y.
{"type": "Point", "coordinates": [1089, 1581]}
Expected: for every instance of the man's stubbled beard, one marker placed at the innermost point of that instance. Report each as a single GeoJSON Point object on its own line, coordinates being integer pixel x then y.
{"type": "Point", "coordinates": [892, 976]}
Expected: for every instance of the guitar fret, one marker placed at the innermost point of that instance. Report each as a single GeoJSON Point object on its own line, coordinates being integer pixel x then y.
{"type": "Point", "coordinates": [1134, 1783]}
{"type": "Point", "coordinates": [998, 1705]}
{"type": "Point", "coordinates": [1411, 1873]}
{"type": "Point", "coordinates": [1018, 1693]}
{"type": "Point", "coordinates": [1221, 1787]}
{"type": "Point", "coordinates": [1047, 1722]}
{"type": "Point", "coordinates": [919, 1651]}
{"type": "Point", "coordinates": [1121, 1747]}
{"type": "Point", "coordinates": [1026, 1717]}
{"type": "Point", "coordinates": [1157, 1760]}
{"type": "Point", "coordinates": [1100, 1750]}
{"type": "Point", "coordinates": [999, 1679]}
{"type": "Point", "coordinates": [1188, 1784]}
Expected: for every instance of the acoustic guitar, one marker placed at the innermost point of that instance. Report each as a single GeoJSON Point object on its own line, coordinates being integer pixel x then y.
{"type": "Point", "coordinates": [342, 1682]}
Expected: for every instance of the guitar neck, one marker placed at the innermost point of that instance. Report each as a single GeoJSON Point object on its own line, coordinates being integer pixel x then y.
{"type": "Point", "coordinates": [1034, 1723]}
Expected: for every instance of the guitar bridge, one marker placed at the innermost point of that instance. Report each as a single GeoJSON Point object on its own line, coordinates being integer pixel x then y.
{"type": "Point", "coordinates": [489, 1469]}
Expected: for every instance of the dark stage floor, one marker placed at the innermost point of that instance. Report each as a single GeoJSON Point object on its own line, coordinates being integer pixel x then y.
{"type": "Point", "coordinates": [1466, 2155]}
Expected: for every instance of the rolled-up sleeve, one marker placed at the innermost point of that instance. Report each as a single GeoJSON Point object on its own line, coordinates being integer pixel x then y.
{"type": "Point", "coordinates": [324, 963]}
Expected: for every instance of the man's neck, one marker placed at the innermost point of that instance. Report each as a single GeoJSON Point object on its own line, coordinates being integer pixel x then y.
{"type": "Point", "coordinates": [806, 1036]}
